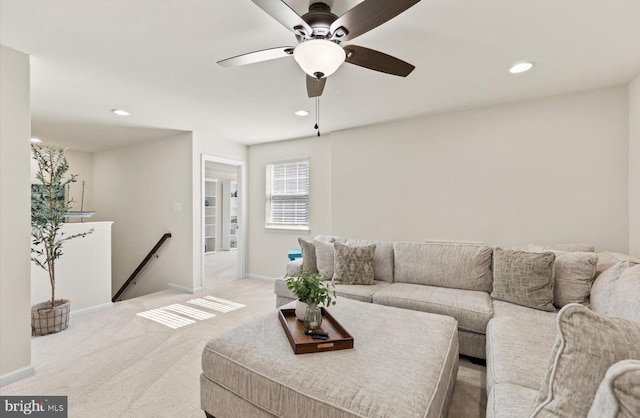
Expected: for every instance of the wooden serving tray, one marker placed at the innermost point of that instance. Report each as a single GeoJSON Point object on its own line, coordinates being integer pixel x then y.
{"type": "Point", "coordinates": [339, 338]}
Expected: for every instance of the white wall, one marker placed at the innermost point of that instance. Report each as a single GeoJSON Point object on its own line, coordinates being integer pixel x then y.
{"type": "Point", "coordinates": [15, 131]}
{"type": "Point", "coordinates": [204, 143]}
{"type": "Point", "coordinates": [549, 170]}
{"type": "Point", "coordinates": [83, 273]}
{"type": "Point", "coordinates": [267, 250]}
{"type": "Point", "coordinates": [137, 187]}
{"type": "Point", "coordinates": [634, 167]}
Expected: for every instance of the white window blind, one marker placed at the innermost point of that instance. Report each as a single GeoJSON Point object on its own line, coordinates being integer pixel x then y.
{"type": "Point", "coordinates": [288, 194]}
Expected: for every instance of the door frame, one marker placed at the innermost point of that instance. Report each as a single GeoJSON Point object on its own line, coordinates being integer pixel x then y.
{"type": "Point", "coordinates": [240, 167]}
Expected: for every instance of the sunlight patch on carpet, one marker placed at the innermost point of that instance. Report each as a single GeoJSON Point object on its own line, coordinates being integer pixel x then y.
{"type": "Point", "coordinates": [188, 311]}
{"type": "Point", "coordinates": [166, 318]}
{"type": "Point", "coordinates": [216, 304]}
{"type": "Point", "coordinates": [176, 316]}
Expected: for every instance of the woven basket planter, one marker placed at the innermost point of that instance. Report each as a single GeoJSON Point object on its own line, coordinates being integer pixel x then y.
{"type": "Point", "coordinates": [45, 320]}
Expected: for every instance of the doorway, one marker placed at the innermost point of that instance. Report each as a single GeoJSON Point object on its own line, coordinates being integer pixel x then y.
{"type": "Point", "coordinates": [222, 220]}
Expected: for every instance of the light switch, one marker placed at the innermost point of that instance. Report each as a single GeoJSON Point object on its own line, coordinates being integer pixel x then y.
{"type": "Point", "coordinates": [177, 207]}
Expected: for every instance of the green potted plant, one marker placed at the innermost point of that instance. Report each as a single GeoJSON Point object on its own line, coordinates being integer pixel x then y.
{"type": "Point", "coordinates": [311, 291]}
{"type": "Point", "coordinates": [48, 209]}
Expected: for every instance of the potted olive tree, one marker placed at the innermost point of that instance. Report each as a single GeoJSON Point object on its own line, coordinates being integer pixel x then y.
{"type": "Point", "coordinates": [48, 209]}
{"type": "Point", "coordinates": [311, 291]}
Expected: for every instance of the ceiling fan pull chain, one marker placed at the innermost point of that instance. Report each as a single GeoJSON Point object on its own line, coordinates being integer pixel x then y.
{"type": "Point", "coordinates": [317, 126]}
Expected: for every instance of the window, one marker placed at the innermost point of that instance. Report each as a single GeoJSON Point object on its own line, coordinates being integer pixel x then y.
{"type": "Point", "coordinates": [287, 203]}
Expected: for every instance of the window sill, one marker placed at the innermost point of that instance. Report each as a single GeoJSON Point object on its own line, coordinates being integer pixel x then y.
{"type": "Point", "coordinates": [282, 228]}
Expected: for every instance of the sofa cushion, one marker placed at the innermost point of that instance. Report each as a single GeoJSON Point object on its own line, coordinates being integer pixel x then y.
{"type": "Point", "coordinates": [587, 345]}
{"type": "Point", "coordinates": [360, 292]}
{"type": "Point", "coordinates": [510, 401]}
{"type": "Point", "coordinates": [502, 309]}
{"type": "Point", "coordinates": [350, 291]}
{"type": "Point", "coordinates": [308, 255]}
{"type": "Point", "coordinates": [524, 278]}
{"type": "Point", "coordinates": [574, 273]}
{"type": "Point", "coordinates": [518, 350]}
{"type": "Point", "coordinates": [457, 266]}
{"type": "Point", "coordinates": [353, 264]}
{"type": "Point", "coordinates": [325, 258]}
{"type": "Point", "coordinates": [603, 290]}
{"type": "Point", "coordinates": [618, 395]}
{"type": "Point", "coordinates": [472, 309]}
{"type": "Point", "coordinates": [382, 259]}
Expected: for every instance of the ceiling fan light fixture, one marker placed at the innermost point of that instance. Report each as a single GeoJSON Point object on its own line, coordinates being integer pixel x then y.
{"type": "Point", "coordinates": [318, 57]}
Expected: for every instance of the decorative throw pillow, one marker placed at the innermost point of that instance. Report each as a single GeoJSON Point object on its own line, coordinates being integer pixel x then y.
{"type": "Point", "coordinates": [574, 272]}
{"type": "Point", "coordinates": [625, 299]}
{"type": "Point", "coordinates": [324, 258]}
{"type": "Point", "coordinates": [308, 256]}
{"type": "Point", "coordinates": [602, 291]}
{"type": "Point", "coordinates": [618, 395]}
{"type": "Point", "coordinates": [586, 346]}
{"type": "Point", "coordinates": [353, 264]}
{"type": "Point", "coordinates": [524, 278]}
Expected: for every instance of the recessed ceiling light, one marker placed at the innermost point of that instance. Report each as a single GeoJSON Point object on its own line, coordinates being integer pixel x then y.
{"type": "Point", "coordinates": [301, 113]}
{"type": "Point", "coordinates": [120, 112]}
{"type": "Point", "coordinates": [521, 67]}
{"type": "Point", "coordinates": [36, 140]}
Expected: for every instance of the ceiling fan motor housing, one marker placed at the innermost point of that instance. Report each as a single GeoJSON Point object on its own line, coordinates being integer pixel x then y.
{"type": "Point", "coordinates": [320, 19]}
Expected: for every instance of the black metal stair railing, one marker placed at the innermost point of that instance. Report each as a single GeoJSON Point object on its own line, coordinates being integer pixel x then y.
{"type": "Point", "coordinates": [138, 269]}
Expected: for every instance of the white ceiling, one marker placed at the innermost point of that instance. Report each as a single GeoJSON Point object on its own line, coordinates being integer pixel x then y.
{"type": "Point", "coordinates": [157, 59]}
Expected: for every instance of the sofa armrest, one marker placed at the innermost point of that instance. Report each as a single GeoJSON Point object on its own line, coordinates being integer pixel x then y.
{"type": "Point", "coordinates": [294, 268]}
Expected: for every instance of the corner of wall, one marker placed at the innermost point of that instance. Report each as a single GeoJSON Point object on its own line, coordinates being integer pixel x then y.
{"type": "Point", "coordinates": [634, 167]}
{"type": "Point", "coordinates": [15, 178]}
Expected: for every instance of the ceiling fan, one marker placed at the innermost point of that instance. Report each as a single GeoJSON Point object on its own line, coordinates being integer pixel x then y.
{"type": "Point", "coordinates": [320, 33]}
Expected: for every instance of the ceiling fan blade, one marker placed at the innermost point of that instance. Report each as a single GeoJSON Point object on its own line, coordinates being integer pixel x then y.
{"type": "Point", "coordinates": [315, 86]}
{"type": "Point", "coordinates": [366, 16]}
{"type": "Point", "coordinates": [257, 56]}
{"type": "Point", "coordinates": [284, 14]}
{"type": "Point", "coordinates": [377, 61]}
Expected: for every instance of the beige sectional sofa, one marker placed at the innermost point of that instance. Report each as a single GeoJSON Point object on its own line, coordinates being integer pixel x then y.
{"type": "Point", "coordinates": [455, 279]}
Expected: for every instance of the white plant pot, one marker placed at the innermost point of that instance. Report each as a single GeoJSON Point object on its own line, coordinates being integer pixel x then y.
{"type": "Point", "coordinates": [301, 310]}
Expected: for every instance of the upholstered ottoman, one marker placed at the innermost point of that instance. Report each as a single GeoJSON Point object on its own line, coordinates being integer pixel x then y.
{"type": "Point", "coordinates": [403, 364]}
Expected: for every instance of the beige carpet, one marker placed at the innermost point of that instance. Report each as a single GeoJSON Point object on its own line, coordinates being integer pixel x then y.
{"type": "Point", "coordinates": [220, 266]}
{"type": "Point", "coordinates": [115, 363]}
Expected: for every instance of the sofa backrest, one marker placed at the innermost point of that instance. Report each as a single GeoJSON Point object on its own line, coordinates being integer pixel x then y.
{"type": "Point", "coordinates": [382, 257]}
{"type": "Point", "coordinates": [458, 266]}
{"type": "Point", "coordinates": [328, 238]}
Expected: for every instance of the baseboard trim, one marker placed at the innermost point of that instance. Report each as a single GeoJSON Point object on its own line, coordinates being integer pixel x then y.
{"type": "Point", "coordinates": [183, 289]}
{"type": "Point", "coordinates": [258, 277]}
{"type": "Point", "coordinates": [14, 376]}
{"type": "Point", "coordinates": [96, 308]}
